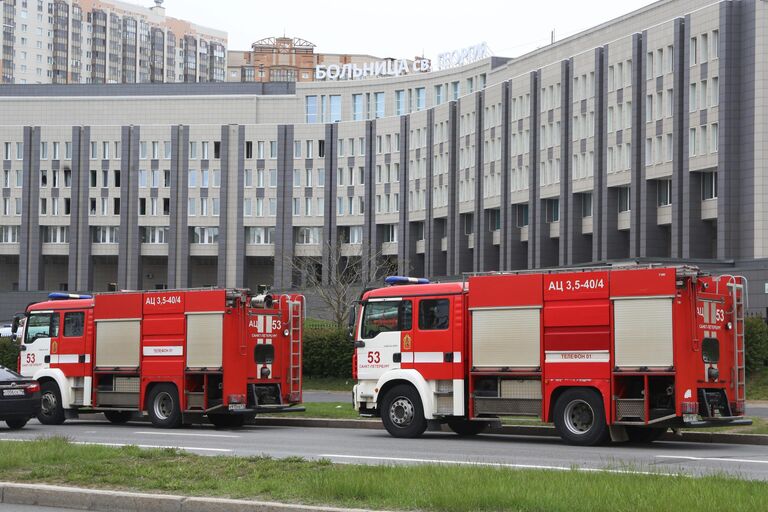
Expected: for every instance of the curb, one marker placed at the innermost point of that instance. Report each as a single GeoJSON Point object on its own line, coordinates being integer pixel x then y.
{"type": "Point", "coordinates": [514, 430]}
{"type": "Point", "coordinates": [121, 501]}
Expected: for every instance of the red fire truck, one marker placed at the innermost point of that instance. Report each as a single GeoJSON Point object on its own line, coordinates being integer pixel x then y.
{"type": "Point", "coordinates": [619, 352]}
{"type": "Point", "coordinates": [178, 355]}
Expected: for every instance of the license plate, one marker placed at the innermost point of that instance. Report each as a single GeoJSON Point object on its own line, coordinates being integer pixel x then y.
{"type": "Point", "coordinates": [13, 392]}
{"type": "Point", "coordinates": [236, 407]}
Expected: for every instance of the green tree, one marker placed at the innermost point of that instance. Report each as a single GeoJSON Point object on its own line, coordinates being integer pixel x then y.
{"type": "Point", "coordinates": [756, 350]}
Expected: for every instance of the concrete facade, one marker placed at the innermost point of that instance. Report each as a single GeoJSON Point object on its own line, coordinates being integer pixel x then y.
{"type": "Point", "coordinates": [641, 138]}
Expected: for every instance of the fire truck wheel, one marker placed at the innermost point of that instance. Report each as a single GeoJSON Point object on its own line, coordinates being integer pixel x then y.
{"type": "Point", "coordinates": [16, 423]}
{"type": "Point", "coordinates": [163, 405]}
{"type": "Point", "coordinates": [51, 411]}
{"type": "Point", "coordinates": [117, 417]}
{"type": "Point", "coordinates": [402, 412]}
{"type": "Point", "coordinates": [580, 417]}
{"type": "Point", "coordinates": [466, 428]}
{"type": "Point", "coordinates": [227, 420]}
{"type": "Point", "coordinates": [642, 435]}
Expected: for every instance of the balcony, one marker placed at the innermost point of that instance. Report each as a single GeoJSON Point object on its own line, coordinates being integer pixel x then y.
{"type": "Point", "coordinates": [420, 246]}
{"type": "Point", "coordinates": [624, 221]}
{"type": "Point", "coordinates": [709, 209]}
{"type": "Point", "coordinates": [389, 248]}
{"type": "Point", "coordinates": [587, 225]}
{"type": "Point", "coordinates": [524, 234]}
{"type": "Point", "coordinates": [554, 229]}
{"type": "Point", "coordinates": [496, 237]}
{"type": "Point", "coordinates": [664, 215]}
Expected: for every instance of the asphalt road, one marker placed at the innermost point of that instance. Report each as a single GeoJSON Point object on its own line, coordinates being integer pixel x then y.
{"type": "Point", "coordinates": [377, 447]}
{"type": "Point", "coordinates": [758, 409]}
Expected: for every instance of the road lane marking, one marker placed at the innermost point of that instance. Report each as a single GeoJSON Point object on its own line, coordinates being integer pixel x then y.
{"type": "Point", "coordinates": [497, 464]}
{"type": "Point", "coordinates": [184, 434]}
{"type": "Point", "coordinates": [120, 445]}
{"type": "Point", "coordinates": [716, 459]}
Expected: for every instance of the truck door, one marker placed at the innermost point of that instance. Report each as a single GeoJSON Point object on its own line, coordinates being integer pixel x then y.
{"type": "Point", "coordinates": [41, 327]}
{"type": "Point", "coordinates": [433, 350]}
{"type": "Point", "coordinates": [378, 342]}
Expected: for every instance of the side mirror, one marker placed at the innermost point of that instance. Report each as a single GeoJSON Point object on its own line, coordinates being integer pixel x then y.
{"type": "Point", "coordinates": [351, 323]}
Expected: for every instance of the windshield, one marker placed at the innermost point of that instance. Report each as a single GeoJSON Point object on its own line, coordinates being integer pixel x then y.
{"type": "Point", "coordinates": [42, 325]}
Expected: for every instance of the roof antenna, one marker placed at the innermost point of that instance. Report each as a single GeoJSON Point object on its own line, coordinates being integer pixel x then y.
{"type": "Point", "coordinates": [553, 36]}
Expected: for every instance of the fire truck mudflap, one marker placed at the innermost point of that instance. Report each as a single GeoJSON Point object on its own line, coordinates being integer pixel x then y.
{"type": "Point", "coordinates": [621, 352]}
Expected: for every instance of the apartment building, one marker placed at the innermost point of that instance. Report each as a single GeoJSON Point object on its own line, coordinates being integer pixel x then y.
{"type": "Point", "coordinates": [638, 139]}
{"type": "Point", "coordinates": [105, 42]}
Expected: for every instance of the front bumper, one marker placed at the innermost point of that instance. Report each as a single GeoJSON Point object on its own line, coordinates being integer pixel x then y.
{"type": "Point", "coordinates": [724, 421]}
{"type": "Point", "coordinates": [26, 407]}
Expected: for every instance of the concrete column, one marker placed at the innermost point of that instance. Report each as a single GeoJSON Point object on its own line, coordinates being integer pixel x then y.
{"type": "Point", "coordinates": [534, 226]}
{"type": "Point", "coordinates": [406, 250]}
{"type": "Point", "coordinates": [330, 235]}
{"type": "Point", "coordinates": [370, 249]}
{"type": "Point", "coordinates": [80, 270]}
{"type": "Point", "coordinates": [30, 245]}
{"type": "Point", "coordinates": [178, 234]}
{"type": "Point", "coordinates": [129, 252]}
{"type": "Point", "coordinates": [231, 231]}
{"type": "Point", "coordinates": [638, 193]}
{"type": "Point", "coordinates": [452, 219]}
{"type": "Point", "coordinates": [680, 131]}
{"type": "Point", "coordinates": [567, 216]}
{"type": "Point", "coordinates": [284, 243]}
{"type": "Point", "coordinates": [601, 152]}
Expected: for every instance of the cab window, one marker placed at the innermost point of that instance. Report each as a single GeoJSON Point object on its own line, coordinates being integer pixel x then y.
{"type": "Point", "coordinates": [73, 324]}
{"type": "Point", "coordinates": [434, 314]}
{"type": "Point", "coordinates": [42, 325]}
{"type": "Point", "coordinates": [386, 316]}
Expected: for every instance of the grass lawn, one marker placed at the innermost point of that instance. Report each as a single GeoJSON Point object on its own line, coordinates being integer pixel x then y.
{"type": "Point", "coordinates": [331, 410]}
{"type": "Point", "coordinates": [327, 384]}
{"type": "Point", "coordinates": [757, 385]}
{"type": "Point", "coordinates": [423, 487]}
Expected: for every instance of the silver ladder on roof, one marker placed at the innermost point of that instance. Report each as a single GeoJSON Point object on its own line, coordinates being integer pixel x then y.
{"type": "Point", "coordinates": [738, 288]}
{"type": "Point", "coordinates": [295, 318]}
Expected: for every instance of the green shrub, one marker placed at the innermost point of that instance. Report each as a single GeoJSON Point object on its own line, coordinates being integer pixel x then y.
{"type": "Point", "coordinates": [756, 350]}
{"type": "Point", "coordinates": [327, 352]}
{"type": "Point", "coordinates": [9, 353]}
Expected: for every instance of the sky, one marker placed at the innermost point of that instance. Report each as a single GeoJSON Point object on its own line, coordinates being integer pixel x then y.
{"type": "Point", "coordinates": [401, 28]}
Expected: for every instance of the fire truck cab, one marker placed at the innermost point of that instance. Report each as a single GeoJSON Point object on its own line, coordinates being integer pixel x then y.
{"type": "Point", "coordinates": [619, 352]}
{"type": "Point", "coordinates": [177, 355]}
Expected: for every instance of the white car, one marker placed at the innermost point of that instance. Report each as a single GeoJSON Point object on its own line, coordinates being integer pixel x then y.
{"type": "Point", "coordinates": [5, 331]}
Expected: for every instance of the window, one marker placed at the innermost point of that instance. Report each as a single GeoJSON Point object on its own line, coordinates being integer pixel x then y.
{"type": "Point", "coordinates": [386, 316]}
{"type": "Point", "coordinates": [273, 149]}
{"type": "Point", "coordinates": [692, 99]}
{"type": "Point", "coordinates": [311, 109]}
{"type": "Point", "coordinates": [167, 150]}
{"type": "Point", "coordinates": [586, 205]}
{"type": "Point", "coordinates": [553, 210]}
{"type": "Point", "coordinates": [692, 142]}
{"type": "Point", "coordinates": [623, 193]}
{"type": "Point", "coordinates": [434, 314]}
{"type": "Point", "coordinates": [273, 178]}
{"type": "Point", "coordinates": [420, 98]}
{"type": "Point", "coordinates": [193, 150]}
{"type": "Point", "coordinates": [694, 51]}
{"type": "Point", "coordinates": [664, 193]}
{"type": "Point", "coordinates": [41, 325]}
{"type": "Point", "coordinates": [715, 42]}
{"type": "Point", "coordinates": [335, 108]}
{"type": "Point", "coordinates": [358, 111]}
{"type": "Point", "coordinates": [708, 185]}
{"type": "Point", "coordinates": [217, 149]}
{"type": "Point", "coordinates": [73, 324]}
{"type": "Point", "coordinates": [378, 99]}
{"type": "Point", "coordinates": [400, 103]}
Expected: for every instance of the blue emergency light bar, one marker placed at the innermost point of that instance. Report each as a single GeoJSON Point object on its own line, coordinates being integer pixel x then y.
{"type": "Point", "coordinates": [67, 296]}
{"type": "Point", "coordinates": [398, 280]}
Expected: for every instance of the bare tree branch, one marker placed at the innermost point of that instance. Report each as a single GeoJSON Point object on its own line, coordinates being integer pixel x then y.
{"type": "Point", "coordinates": [344, 277]}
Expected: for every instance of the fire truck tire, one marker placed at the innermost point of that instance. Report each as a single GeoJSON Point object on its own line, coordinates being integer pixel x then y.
{"type": "Point", "coordinates": [227, 420]}
{"type": "Point", "coordinates": [580, 417]}
{"type": "Point", "coordinates": [163, 406]}
{"type": "Point", "coordinates": [466, 428]}
{"type": "Point", "coordinates": [642, 435]}
{"type": "Point", "coordinates": [51, 411]}
{"type": "Point", "coordinates": [402, 412]}
{"type": "Point", "coordinates": [118, 417]}
{"type": "Point", "coordinates": [16, 423]}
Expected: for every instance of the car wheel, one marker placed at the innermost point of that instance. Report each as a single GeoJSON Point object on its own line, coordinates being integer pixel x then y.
{"type": "Point", "coordinates": [466, 428]}
{"type": "Point", "coordinates": [402, 412]}
{"type": "Point", "coordinates": [163, 406]}
{"type": "Point", "coordinates": [580, 417]}
{"type": "Point", "coordinates": [51, 411]}
{"type": "Point", "coordinates": [16, 423]}
{"type": "Point", "coordinates": [227, 420]}
{"type": "Point", "coordinates": [118, 417]}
